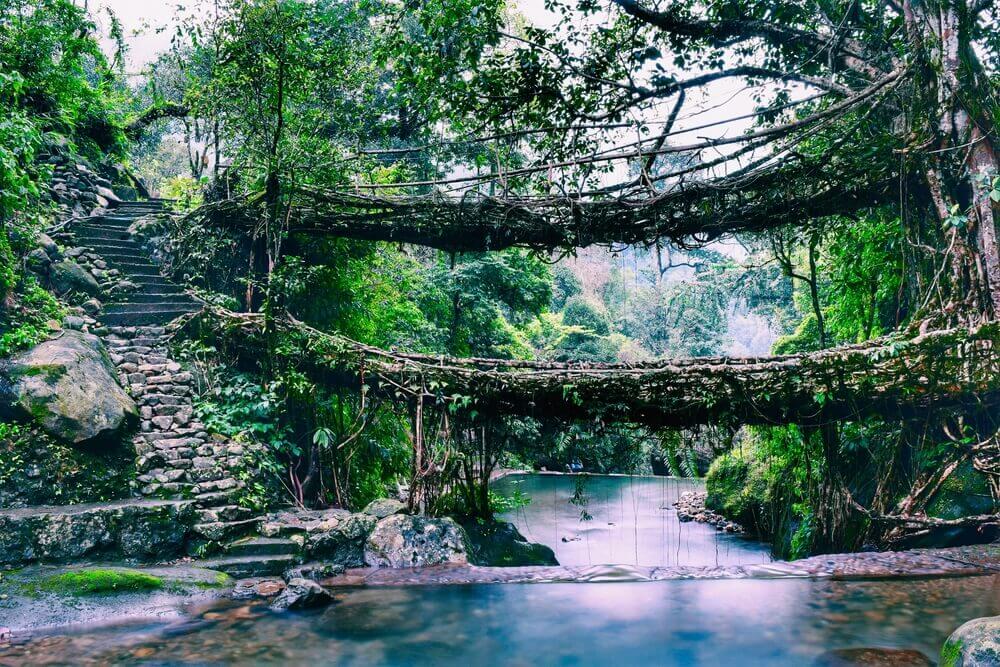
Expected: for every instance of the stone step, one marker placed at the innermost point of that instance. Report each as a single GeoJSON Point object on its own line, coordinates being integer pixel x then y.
{"type": "Point", "coordinates": [262, 546]}
{"type": "Point", "coordinates": [242, 567]}
{"type": "Point", "coordinates": [161, 317]}
{"type": "Point", "coordinates": [223, 513]}
{"type": "Point", "coordinates": [151, 280]}
{"type": "Point", "coordinates": [112, 223]}
{"type": "Point", "coordinates": [212, 499]}
{"type": "Point", "coordinates": [159, 296]}
{"type": "Point", "coordinates": [180, 304]}
{"type": "Point", "coordinates": [124, 253]}
{"type": "Point", "coordinates": [90, 235]}
{"type": "Point", "coordinates": [124, 245]}
{"type": "Point", "coordinates": [227, 531]}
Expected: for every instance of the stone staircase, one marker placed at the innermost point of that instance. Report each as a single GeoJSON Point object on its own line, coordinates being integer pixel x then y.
{"type": "Point", "coordinates": [157, 300]}
{"type": "Point", "coordinates": [176, 456]}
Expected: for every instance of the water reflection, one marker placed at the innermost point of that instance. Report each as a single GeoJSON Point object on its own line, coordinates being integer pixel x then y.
{"type": "Point", "coordinates": [746, 622]}
{"type": "Point", "coordinates": [621, 519]}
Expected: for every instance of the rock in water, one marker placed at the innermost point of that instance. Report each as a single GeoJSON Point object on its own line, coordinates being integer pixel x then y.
{"type": "Point", "coordinates": [501, 544]}
{"type": "Point", "coordinates": [873, 657]}
{"type": "Point", "coordinates": [975, 644]}
{"type": "Point", "coordinates": [413, 541]}
{"type": "Point", "coordinates": [384, 507]}
{"type": "Point", "coordinates": [68, 276]}
{"type": "Point", "coordinates": [69, 387]}
{"type": "Point", "coordinates": [302, 594]}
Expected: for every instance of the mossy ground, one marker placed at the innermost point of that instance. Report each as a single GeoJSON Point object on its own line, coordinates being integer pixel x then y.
{"type": "Point", "coordinates": [96, 581]}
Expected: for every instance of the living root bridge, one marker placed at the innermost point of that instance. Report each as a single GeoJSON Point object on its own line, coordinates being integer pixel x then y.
{"type": "Point", "coordinates": [475, 223]}
{"type": "Point", "coordinates": [886, 378]}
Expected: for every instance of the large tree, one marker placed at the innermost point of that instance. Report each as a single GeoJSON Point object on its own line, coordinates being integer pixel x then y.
{"type": "Point", "coordinates": [858, 104]}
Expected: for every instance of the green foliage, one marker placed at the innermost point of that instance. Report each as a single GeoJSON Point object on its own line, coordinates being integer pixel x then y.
{"type": "Point", "coordinates": [737, 488]}
{"type": "Point", "coordinates": [186, 192]}
{"type": "Point", "coordinates": [25, 323]}
{"type": "Point", "coordinates": [35, 469]}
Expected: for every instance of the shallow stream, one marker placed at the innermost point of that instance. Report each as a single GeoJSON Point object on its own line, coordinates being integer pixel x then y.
{"type": "Point", "coordinates": [679, 622]}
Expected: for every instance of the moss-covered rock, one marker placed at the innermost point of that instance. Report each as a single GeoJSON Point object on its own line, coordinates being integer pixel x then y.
{"type": "Point", "coordinates": [965, 493]}
{"type": "Point", "coordinates": [68, 386]}
{"type": "Point", "coordinates": [974, 644]}
{"type": "Point", "coordinates": [94, 581]}
{"type": "Point", "coordinates": [67, 276]}
{"type": "Point", "coordinates": [501, 544]}
{"type": "Point", "coordinates": [343, 543]}
{"type": "Point", "coordinates": [737, 489]}
{"type": "Point", "coordinates": [383, 507]}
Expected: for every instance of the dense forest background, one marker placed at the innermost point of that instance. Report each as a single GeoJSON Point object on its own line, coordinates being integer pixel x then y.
{"type": "Point", "coordinates": [271, 102]}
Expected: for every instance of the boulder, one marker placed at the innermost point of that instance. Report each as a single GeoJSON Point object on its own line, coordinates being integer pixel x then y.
{"type": "Point", "coordinates": [69, 387]}
{"type": "Point", "coordinates": [414, 541]}
{"type": "Point", "coordinates": [343, 544]}
{"type": "Point", "coordinates": [68, 276]}
{"type": "Point", "coordinates": [384, 507]}
{"type": "Point", "coordinates": [501, 544]}
{"type": "Point", "coordinates": [38, 261]}
{"type": "Point", "coordinates": [302, 594]}
{"type": "Point", "coordinates": [107, 194]}
{"type": "Point", "coordinates": [132, 529]}
{"type": "Point", "coordinates": [49, 246]}
{"type": "Point", "coordinates": [974, 644]}
{"type": "Point", "coordinates": [873, 657]}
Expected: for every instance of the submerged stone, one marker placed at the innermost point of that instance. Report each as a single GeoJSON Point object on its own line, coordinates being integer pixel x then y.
{"type": "Point", "coordinates": [501, 544]}
{"type": "Point", "coordinates": [302, 594]}
{"type": "Point", "coordinates": [873, 657]}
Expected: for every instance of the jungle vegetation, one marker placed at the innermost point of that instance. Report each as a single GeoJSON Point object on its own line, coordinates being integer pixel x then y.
{"type": "Point", "coordinates": [438, 238]}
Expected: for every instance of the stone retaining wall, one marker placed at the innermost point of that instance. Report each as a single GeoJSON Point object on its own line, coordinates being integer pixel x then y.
{"type": "Point", "coordinates": [144, 530]}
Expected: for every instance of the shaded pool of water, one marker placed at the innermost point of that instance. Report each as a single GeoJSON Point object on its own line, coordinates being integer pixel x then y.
{"type": "Point", "coordinates": [745, 622]}
{"type": "Point", "coordinates": [621, 520]}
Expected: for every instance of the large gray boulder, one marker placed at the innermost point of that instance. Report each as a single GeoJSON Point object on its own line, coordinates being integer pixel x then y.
{"type": "Point", "coordinates": [344, 542]}
{"type": "Point", "coordinates": [414, 541]}
{"type": "Point", "coordinates": [975, 644]}
{"type": "Point", "coordinates": [69, 387]}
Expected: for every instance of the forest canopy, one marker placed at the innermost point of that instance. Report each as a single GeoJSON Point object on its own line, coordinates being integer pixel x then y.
{"type": "Point", "coordinates": [361, 188]}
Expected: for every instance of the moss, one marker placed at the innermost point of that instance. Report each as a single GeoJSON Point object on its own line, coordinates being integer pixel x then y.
{"type": "Point", "coordinates": [36, 469]}
{"type": "Point", "coordinates": [222, 580]}
{"type": "Point", "coordinates": [965, 493]}
{"type": "Point", "coordinates": [97, 581]}
{"type": "Point", "coordinates": [951, 653]}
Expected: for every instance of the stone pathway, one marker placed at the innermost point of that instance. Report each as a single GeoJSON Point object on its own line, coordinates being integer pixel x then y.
{"type": "Point", "coordinates": [177, 457]}
{"type": "Point", "coordinates": [156, 300]}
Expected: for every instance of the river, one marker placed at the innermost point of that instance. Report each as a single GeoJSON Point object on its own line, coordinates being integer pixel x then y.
{"type": "Point", "coordinates": [620, 520]}
{"type": "Point", "coordinates": [678, 622]}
